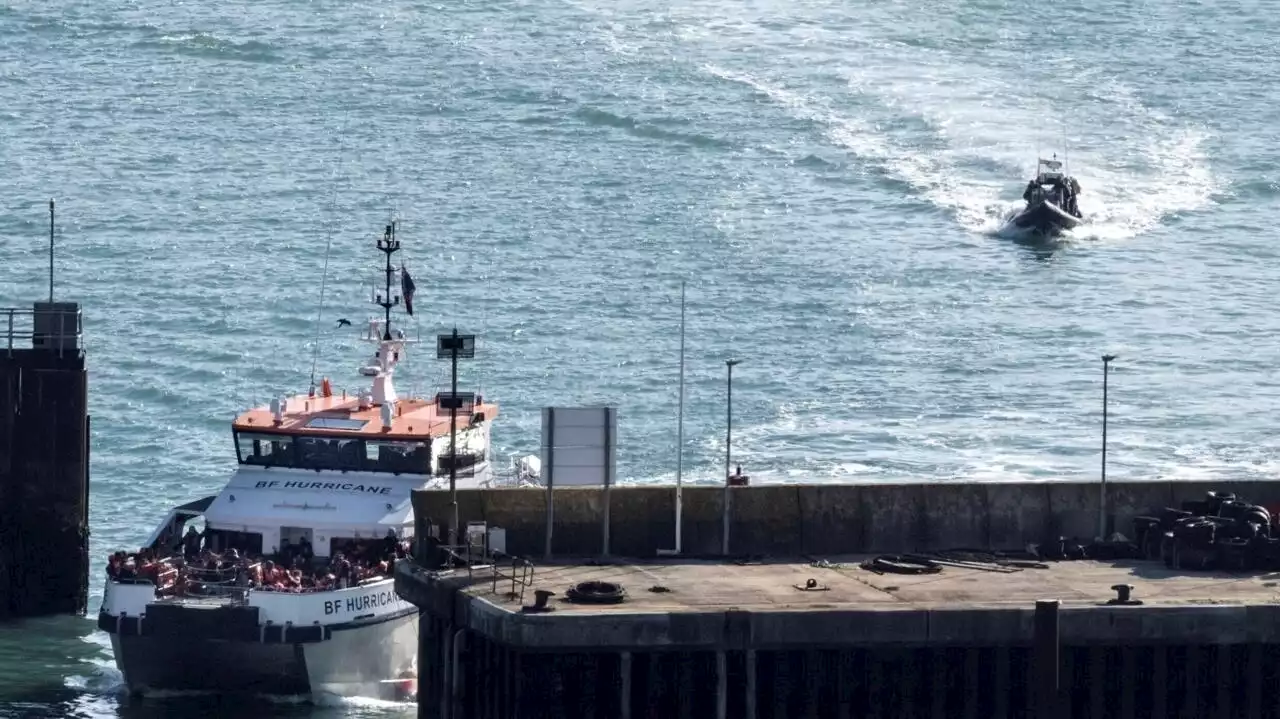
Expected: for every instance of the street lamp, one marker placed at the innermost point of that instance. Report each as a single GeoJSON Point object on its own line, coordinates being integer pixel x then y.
{"type": "Point", "coordinates": [728, 422]}
{"type": "Point", "coordinates": [728, 451]}
{"type": "Point", "coordinates": [1102, 491]}
{"type": "Point", "coordinates": [454, 346]}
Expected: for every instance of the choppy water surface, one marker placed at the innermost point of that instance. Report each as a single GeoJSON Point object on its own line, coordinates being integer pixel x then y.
{"type": "Point", "coordinates": [829, 177]}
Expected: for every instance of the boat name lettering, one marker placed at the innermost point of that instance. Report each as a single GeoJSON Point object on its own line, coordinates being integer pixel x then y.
{"type": "Point", "coordinates": [361, 603]}
{"type": "Point", "coordinates": [344, 486]}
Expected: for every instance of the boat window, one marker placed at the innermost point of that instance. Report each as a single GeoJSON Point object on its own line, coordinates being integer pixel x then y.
{"type": "Point", "coordinates": [406, 457]}
{"type": "Point", "coordinates": [366, 546]}
{"type": "Point", "coordinates": [267, 450]}
{"type": "Point", "coordinates": [468, 463]}
{"type": "Point", "coordinates": [220, 540]}
{"type": "Point", "coordinates": [471, 446]}
{"type": "Point", "coordinates": [328, 453]}
{"type": "Point", "coordinates": [335, 453]}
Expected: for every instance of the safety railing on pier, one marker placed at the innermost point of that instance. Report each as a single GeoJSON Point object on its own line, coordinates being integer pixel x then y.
{"type": "Point", "coordinates": [521, 578]}
{"type": "Point", "coordinates": [478, 559]}
{"type": "Point", "coordinates": [57, 327]}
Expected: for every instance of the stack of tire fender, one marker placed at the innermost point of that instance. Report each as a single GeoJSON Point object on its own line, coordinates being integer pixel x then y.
{"type": "Point", "coordinates": [1218, 532]}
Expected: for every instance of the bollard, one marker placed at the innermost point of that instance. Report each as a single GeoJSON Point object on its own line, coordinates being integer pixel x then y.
{"type": "Point", "coordinates": [1123, 595]}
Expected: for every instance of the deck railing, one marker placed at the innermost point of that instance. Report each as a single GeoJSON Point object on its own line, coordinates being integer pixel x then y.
{"type": "Point", "coordinates": [57, 327]}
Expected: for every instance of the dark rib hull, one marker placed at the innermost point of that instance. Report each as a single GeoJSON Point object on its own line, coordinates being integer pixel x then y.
{"type": "Point", "coordinates": [1046, 217]}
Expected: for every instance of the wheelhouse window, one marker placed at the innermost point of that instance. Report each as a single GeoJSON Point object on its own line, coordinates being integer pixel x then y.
{"type": "Point", "coordinates": [265, 450]}
{"type": "Point", "coordinates": [328, 453]}
{"type": "Point", "coordinates": [470, 452]}
{"type": "Point", "coordinates": [400, 457]}
{"type": "Point", "coordinates": [333, 453]}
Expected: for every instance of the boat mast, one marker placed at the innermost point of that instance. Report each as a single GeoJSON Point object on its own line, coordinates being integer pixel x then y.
{"type": "Point", "coordinates": [383, 365]}
{"type": "Point", "coordinates": [389, 245]}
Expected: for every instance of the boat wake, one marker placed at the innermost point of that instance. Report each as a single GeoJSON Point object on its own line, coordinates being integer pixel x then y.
{"type": "Point", "coordinates": [971, 167]}
{"type": "Point", "coordinates": [952, 127]}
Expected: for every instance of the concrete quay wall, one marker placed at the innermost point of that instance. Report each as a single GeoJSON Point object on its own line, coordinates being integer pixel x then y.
{"type": "Point", "coordinates": [480, 657]}
{"type": "Point", "coordinates": [818, 519]}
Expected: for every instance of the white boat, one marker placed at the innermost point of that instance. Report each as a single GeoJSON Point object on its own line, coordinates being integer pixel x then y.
{"type": "Point", "coordinates": [333, 470]}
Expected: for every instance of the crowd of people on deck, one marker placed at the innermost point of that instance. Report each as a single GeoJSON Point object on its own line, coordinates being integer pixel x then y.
{"type": "Point", "coordinates": [199, 570]}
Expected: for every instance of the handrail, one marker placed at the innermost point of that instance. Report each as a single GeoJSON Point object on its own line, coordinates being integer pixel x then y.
{"type": "Point", "coordinates": [175, 577]}
{"type": "Point", "coordinates": [521, 576]}
{"type": "Point", "coordinates": [19, 327]}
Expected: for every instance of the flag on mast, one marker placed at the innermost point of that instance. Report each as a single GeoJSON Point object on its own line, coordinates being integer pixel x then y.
{"type": "Point", "coordinates": [406, 290]}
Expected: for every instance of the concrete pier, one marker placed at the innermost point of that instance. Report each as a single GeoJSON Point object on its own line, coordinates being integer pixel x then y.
{"type": "Point", "coordinates": [820, 519]}
{"type": "Point", "coordinates": [813, 634]}
{"type": "Point", "coordinates": [44, 462]}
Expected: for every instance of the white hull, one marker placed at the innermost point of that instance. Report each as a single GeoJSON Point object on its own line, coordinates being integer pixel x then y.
{"type": "Point", "coordinates": [355, 662]}
{"type": "Point", "coordinates": [360, 642]}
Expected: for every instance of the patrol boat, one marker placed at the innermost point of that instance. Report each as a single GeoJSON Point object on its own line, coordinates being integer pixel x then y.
{"type": "Point", "coordinates": [323, 480]}
{"type": "Point", "coordinates": [1051, 198]}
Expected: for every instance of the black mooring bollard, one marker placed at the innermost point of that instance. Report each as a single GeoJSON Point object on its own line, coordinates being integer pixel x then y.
{"type": "Point", "coordinates": [1046, 659]}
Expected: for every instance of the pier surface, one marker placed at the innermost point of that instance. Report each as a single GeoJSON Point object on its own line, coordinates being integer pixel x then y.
{"type": "Point", "coordinates": [715, 586]}
{"type": "Point", "coordinates": [858, 606]}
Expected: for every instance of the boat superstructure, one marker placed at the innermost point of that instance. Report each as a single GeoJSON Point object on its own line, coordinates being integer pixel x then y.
{"type": "Point", "coordinates": [1051, 198]}
{"type": "Point", "coordinates": [288, 588]}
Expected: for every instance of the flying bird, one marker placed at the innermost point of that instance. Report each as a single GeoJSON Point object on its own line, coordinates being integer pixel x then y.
{"type": "Point", "coordinates": [344, 323]}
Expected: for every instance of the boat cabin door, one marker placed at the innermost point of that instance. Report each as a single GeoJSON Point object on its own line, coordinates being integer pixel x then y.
{"type": "Point", "coordinates": [294, 536]}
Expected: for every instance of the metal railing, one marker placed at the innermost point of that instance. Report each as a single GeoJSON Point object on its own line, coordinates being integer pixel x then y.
{"type": "Point", "coordinates": [521, 576]}
{"type": "Point", "coordinates": [478, 558]}
{"type": "Point", "coordinates": [58, 327]}
{"type": "Point", "coordinates": [216, 585]}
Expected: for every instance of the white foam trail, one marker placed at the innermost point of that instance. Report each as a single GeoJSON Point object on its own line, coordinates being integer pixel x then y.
{"type": "Point", "coordinates": [1122, 204]}
{"type": "Point", "coordinates": [973, 125]}
{"type": "Point", "coordinates": [961, 130]}
{"type": "Point", "coordinates": [975, 151]}
{"type": "Point", "coordinates": [331, 700]}
{"type": "Point", "coordinates": [975, 204]}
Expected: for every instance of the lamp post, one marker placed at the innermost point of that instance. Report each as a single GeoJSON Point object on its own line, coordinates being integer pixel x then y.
{"type": "Point", "coordinates": [452, 347]}
{"type": "Point", "coordinates": [51, 252]}
{"type": "Point", "coordinates": [1102, 487]}
{"type": "Point", "coordinates": [728, 451]}
{"type": "Point", "coordinates": [728, 421]}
